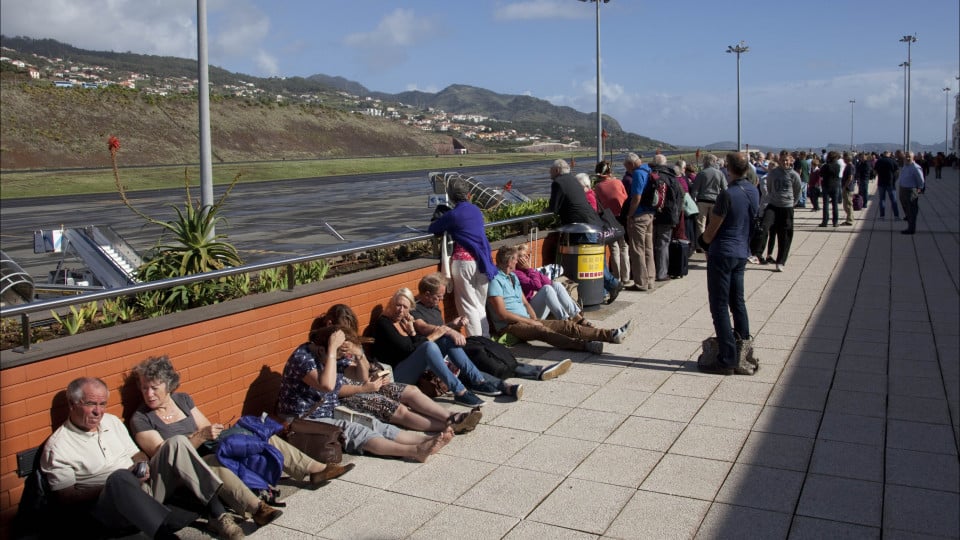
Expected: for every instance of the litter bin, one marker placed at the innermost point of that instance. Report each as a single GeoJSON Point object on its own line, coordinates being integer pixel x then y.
{"type": "Point", "coordinates": [581, 256]}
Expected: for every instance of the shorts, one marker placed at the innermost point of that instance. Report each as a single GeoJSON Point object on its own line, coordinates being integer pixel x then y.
{"type": "Point", "coordinates": [357, 435]}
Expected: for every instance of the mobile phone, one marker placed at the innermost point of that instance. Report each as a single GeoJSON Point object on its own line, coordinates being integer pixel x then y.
{"type": "Point", "coordinates": [141, 468]}
{"type": "Point", "coordinates": [382, 373]}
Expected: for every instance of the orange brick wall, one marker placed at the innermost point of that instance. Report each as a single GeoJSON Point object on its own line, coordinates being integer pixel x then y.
{"type": "Point", "coordinates": [230, 365]}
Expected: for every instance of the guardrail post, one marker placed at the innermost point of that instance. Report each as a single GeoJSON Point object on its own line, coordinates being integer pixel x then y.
{"type": "Point", "coordinates": [291, 278]}
{"type": "Point", "coordinates": [25, 331]}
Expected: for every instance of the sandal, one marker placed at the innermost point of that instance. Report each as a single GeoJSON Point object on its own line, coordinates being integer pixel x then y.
{"type": "Point", "coordinates": [464, 421]}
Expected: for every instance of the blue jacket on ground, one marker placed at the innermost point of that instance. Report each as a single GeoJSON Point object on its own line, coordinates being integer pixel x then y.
{"type": "Point", "coordinates": [251, 457]}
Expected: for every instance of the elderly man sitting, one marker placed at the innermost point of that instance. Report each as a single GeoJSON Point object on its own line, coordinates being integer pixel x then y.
{"type": "Point", "coordinates": [91, 460]}
{"type": "Point", "coordinates": [511, 313]}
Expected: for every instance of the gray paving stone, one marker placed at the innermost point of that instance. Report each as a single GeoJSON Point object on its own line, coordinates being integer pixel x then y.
{"type": "Point", "coordinates": [510, 491]}
{"type": "Point", "coordinates": [742, 390]}
{"type": "Point", "coordinates": [807, 528]}
{"type": "Point", "coordinates": [727, 414]}
{"type": "Point", "coordinates": [531, 530]}
{"type": "Point", "coordinates": [648, 433]}
{"type": "Point", "coordinates": [657, 515]}
{"type": "Point", "coordinates": [396, 516]}
{"type": "Point", "coordinates": [785, 421]}
{"type": "Point", "coordinates": [929, 368]}
{"type": "Point", "coordinates": [681, 384]}
{"type": "Point", "coordinates": [583, 505]}
{"type": "Point", "coordinates": [921, 511]}
{"type": "Point", "coordinates": [922, 470]}
{"type": "Point", "coordinates": [489, 443]}
{"type": "Point", "coordinates": [852, 428]}
{"type": "Point", "coordinates": [807, 376]}
{"type": "Point", "coordinates": [761, 487]}
{"type": "Point", "coordinates": [530, 416]}
{"type": "Point", "coordinates": [867, 364]}
{"type": "Point", "coordinates": [931, 411]}
{"type": "Point", "coordinates": [618, 465]}
{"type": "Point", "coordinates": [710, 442]}
{"type": "Point", "coordinates": [687, 476]}
{"type": "Point", "coordinates": [727, 521]}
{"type": "Point", "coordinates": [849, 460]}
{"type": "Point", "coordinates": [453, 521]}
{"type": "Point", "coordinates": [777, 451]}
{"type": "Point", "coordinates": [549, 454]}
{"type": "Point", "coordinates": [841, 499]}
{"type": "Point", "coordinates": [669, 407]}
{"type": "Point", "coordinates": [856, 381]}
{"type": "Point", "coordinates": [936, 438]}
{"type": "Point", "coordinates": [857, 403]}
{"type": "Point", "coordinates": [814, 360]}
{"type": "Point", "coordinates": [798, 397]}
{"type": "Point", "coordinates": [623, 400]}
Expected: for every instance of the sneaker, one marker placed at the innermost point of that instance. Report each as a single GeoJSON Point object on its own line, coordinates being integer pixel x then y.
{"type": "Point", "coordinates": [627, 284]}
{"type": "Point", "coordinates": [469, 399]}
{"type": "Point", "coordinates": [779, 268]}
{"type": "Point", "coordinates": [556, 370]}
{"type": "Point", "coordinates": [753, 259]}
{"type": "Point", "coordinates": [515, 391]}
{"type": "Point", "coordinates": [769, 260]}
{"type": "Point", "coordinates": [614, 293]}
{"type": "Point", "coordinates": [486, 389]}
{"type": "Point", "coordinates": [846, 223]}
{"type": "Point", "coordinates": [822, 225]}
{"type": "Point", "coordinates": [620, 333]}
{"type": "Point", "coordinates": [225, 527]}
{"type": "Point", "coordinates": [594, 347]}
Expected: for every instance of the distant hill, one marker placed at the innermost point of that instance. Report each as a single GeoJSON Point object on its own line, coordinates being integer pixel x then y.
{"type": "Point", "coordinates": [523, 113]}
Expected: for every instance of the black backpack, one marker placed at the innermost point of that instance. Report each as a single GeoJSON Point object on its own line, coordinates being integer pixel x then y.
{"type": "Point", "coordinates": [491, 357]}
{"type": "Point", "coordinates": [669, 212]}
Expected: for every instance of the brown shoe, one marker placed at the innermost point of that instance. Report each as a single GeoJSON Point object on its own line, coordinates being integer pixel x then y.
{"type": "Point", "coordinates": [331, 471]}
{"type": "Point", "coordinates": [465, 422]}
{"type": "Point", "coordinates": [225, 528]}
{"type": "Point", "coordinates": [266, 514]}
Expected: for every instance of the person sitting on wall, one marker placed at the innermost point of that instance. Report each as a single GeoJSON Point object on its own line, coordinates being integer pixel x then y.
{"type": "Point", "coordinates": [91, 461]}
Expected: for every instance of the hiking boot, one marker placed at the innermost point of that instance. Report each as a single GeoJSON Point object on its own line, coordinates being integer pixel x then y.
{"type": "Point", "coordinates": [707, 366]}
{"type": "Point", "coordinates": [265, 514]}
{"type": "Point", "coordinates": [594, 347]}
{"type": "Point", "coordinates": [745, 356]}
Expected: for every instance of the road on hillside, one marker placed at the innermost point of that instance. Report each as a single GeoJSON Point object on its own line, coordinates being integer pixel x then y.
{"type": "Point", "coordinates": [265, 220]}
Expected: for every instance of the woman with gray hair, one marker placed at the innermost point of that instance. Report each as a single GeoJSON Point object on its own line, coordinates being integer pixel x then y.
{"type": "Point", "coordinates": [472, 266]}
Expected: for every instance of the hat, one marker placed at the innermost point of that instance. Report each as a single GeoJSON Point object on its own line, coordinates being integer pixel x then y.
{"type": "Point", "coordinates": [458, 191]}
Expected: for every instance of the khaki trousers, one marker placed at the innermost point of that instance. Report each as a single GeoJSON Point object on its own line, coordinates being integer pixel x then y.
{"type": "Point", "coordinates": [641, 250]}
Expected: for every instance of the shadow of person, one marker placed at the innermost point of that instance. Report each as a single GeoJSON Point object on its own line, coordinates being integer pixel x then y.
{"type": "Point", "coordinates": [59, 410]}
{"type": "Point", "coordinates": [262, 393]}
{"type": "Point", "coordinates": [130, 397]}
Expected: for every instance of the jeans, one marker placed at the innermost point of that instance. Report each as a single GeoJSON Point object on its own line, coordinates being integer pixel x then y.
{"type": "Point", "coordinates": [830, 198]}
{"type": "Point", "coordinates": [725, 290]}
{"type": "Point", "coordinates": [555, 299]}
{"type": "Point", "coordinates": [882, 193]}
{"type": "Point", "coordinates": [802, 203]}
{"type": "Point", "coordinates": [863, 187]}
{"type": "Point", "coordinates": [429, 355]}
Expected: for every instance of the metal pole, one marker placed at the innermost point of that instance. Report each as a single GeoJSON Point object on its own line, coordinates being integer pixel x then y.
{"type": "Point", "coordinates": [599, 115]}
{"type": "Point", "coordinates": [946, 120]}
{"type": "Point", "coordinates": [852, 101]}
{"type": "Point", "coordinates": [904, 66]}
{"type": "Point", "coordinates": [910, 40]}
{"type": "Point", "coordinates": [206, 162]}
{"type": "Point", "coordinates": [738, 49]}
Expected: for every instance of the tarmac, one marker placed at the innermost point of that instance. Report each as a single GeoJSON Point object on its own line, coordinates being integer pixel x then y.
{"type": "Point", "coordinates": [849, 429]}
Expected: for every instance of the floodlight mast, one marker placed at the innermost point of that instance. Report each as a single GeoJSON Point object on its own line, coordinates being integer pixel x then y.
{"type": "Point", "coordinates": [738, 49]}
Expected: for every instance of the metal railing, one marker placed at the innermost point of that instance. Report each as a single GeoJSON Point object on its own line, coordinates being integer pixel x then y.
{"type": "Point", "coordinates": [45, 306]}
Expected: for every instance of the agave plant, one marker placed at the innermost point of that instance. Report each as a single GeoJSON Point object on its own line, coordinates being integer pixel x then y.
{"type": "Point", "coordinates": [192, 247]}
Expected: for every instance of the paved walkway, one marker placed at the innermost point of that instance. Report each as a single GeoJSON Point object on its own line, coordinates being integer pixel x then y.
{"type": "Point", "coordinates": [850, 428]}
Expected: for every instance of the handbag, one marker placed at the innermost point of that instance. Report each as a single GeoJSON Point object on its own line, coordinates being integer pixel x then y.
{"type": "Point", "coordinates": [612, 230]}
{"type": "Point", "coordinates": [322, 441]}
{"type": "Point", "coordinates": [431, 385]}
{"type": "Point", "coordinates": [689, 205]}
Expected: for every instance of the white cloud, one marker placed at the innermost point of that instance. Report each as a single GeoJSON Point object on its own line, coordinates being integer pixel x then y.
{"type": "Point", "coordinates": [387, 44]}
{"type": "Point", "coordinates": [541, 9]}
{"type": "Point", "coordinates": [412, 87]}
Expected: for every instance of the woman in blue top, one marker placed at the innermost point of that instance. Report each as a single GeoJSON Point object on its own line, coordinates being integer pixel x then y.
{"type": "Point", "coordinates": [472, 266]}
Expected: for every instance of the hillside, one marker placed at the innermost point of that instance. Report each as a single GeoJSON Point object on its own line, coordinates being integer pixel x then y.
{"type": "Point", "coordinates": [46, 127]}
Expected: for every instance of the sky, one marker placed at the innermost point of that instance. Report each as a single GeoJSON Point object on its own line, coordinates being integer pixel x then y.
{"type": "Point", "coordinates": [664, 68]}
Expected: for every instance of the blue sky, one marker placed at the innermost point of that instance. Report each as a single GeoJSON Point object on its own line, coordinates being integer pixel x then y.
{"type": "Point", "coordinates": [664, 70]}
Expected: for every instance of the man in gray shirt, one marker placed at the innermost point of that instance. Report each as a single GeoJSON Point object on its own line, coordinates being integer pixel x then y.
{"type": "Point", "coordinates": [783, 194]}
{"type": "Point", "coordinates": [706, 187]}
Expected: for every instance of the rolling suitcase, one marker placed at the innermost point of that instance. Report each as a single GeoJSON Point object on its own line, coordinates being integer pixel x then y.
{"type": "Point", "coordinates": [678, 256]}
{"type": "Point", "coordinates": [857, 200]}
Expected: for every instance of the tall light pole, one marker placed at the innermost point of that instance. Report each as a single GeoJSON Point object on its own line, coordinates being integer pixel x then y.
{"type": "Point", "coordinates": [203, 91]}
{"type": "Point", "coordinates": [905, 65]}
{"type": "Point", "coordinates": [946, 120]}
{"type": "Point", "coordinates": [738, 50]}
{"type": "Point", "coordinates": [852, 101]}
{"type": "Point", "coordinates": [599, 115]}
{"type": "Point", "coordinates": [909, 40]}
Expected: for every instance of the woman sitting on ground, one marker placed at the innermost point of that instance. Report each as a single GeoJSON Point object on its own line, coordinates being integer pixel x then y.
{"type": "Point", "coordinates": [397, 343]}
{"type": "Point", "coordinates": [390, 402]}
{"type": "Point", "coordinates": [309, 388]}
{"type": "Point", "coordinates": [166, 413]}
{"type": "Point", "coordinates": [545, 296]}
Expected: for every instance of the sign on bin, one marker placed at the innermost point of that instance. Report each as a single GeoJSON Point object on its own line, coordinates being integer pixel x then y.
{"type": "Point", "coordinates": [590, 262]}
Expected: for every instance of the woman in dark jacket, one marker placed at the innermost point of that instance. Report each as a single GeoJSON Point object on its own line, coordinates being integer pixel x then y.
{"type": "Point", "coordinates": [830, 185]}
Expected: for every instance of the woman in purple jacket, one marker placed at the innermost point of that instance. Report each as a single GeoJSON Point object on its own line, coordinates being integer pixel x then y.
{"type": "Point", "coordinates": [472, 266]}
{"type": "Point", "coordinates": [545, 296]}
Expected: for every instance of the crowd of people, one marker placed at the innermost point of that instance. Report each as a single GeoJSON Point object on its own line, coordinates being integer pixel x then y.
{"type": "Point", "coordinates": [735, 210]}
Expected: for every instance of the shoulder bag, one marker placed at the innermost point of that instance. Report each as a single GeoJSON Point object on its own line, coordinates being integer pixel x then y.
{"type": "Point", "coordinates": [612, 229]}
{"type": "Point", "coordinates": [322, 441]}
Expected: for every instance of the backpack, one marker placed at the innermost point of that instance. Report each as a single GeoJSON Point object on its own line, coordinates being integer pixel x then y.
{"type": "Point", "coordinates": [491, 357]}
{"type": "Point", "coordinates": [654, 192]}
{"type": "Point", "coordinates": [670, 212]}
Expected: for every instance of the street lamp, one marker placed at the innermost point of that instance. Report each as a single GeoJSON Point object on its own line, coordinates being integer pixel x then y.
{"type": "Point", "coordinates": [599, 116]}
{"type": "Point", "coordinates": [909, 40]}
{"type": "Point", "coordinates": [738, 49]}
{"type": "Point", "coordinates": [852, 101]}
{"type": "Point", "coordinates": [905, 65]}
{"type": "Point", "coordinates": [946, 120]}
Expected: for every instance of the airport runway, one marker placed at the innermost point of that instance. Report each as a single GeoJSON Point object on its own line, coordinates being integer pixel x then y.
{"type": "Point", "coordinates": [266, 220]}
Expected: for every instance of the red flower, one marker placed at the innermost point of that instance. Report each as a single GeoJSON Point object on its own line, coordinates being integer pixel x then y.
{"type": "Point", "coordinates": [113, 144]}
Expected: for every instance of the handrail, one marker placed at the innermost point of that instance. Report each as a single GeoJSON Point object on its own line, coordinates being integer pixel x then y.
{"type": "Point", "coordinates": [24, 310]}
